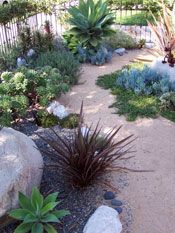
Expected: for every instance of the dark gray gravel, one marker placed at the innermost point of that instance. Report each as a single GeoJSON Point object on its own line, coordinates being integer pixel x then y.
{"type": "Point", "coordinates": [81, 203]}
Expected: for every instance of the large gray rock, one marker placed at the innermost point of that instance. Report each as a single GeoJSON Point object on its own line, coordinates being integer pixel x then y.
{"type": "Point", "coordinates": [20, 167]}
{"type": "Point", "coordinates": [104, 220]}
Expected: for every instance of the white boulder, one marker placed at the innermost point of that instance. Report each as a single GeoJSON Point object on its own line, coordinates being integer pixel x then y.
{"type": "Point", "coordinates": [164, 69]}
{"type": "Point", "coordinates": [20, 167]}
{"type": "Point", "coordinates": [58, 110]}
{"type": "Point", "coordinates": [104, 220]}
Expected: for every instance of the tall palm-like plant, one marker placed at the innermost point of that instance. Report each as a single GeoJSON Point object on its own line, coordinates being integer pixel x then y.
{"type": "Point", "coordinates": [164, 33]}
{"type": "Point", "coordinates": [91, 21]}
{"type": "Point", "coordinates": [163, 30]}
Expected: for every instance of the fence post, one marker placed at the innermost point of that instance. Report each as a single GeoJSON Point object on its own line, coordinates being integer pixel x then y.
{"type": "Point", "coordinates": [6, 37]}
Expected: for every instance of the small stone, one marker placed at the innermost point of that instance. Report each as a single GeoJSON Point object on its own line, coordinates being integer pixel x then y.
{"type": "Point", "coordinates": [149, 45]}
{"type": "Point", "coordinates": [119, 210]}
{"type": "Point", "coordinates": [120, 51]}
{"type": "Point", "coordinates": [116, 202]}
{"type": "Point", "coordinates": [31, 53]}
{"type": "Point", "coordinates": [21, 62]}
{"type": "Point", "coordinates": [109, 195]}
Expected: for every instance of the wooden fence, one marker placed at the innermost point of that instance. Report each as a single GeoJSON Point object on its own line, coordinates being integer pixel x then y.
{"type": "Point", "coordinates": [129, 17]}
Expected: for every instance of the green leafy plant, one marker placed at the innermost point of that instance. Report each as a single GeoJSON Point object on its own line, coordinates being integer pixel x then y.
{"type": "Point", "coordinates": [12, 108]}
{"type": "Point", "coordinates": [37, 212]}
{"type": "Point", "coordinates": [26, 88]}
{"type": "Point", "coordinates": [25, 39]}
{"type": "Point", "coordinates": [132, 105]}
{"type": "Point", "coordinates": [121, 40]}
{"type": "Point", "coordinates": [69, 122]}
{"type": "Point", "coordinates": [64, 61]}
{"type": "Point", "coordinates": [141, 43]}
{"type": "Point", "coordinates": [19, 9]}
{"type": "Point", "coordinates": [83, 158]}
{"type": "Point", "coordinates": [8, 58]}
{"type": "Point", "coordinates": [43, 41]}
{"type": "Point", "coordinates": [128, 103]}
{"type": "Point", "coordinates": [91, 21]}
{"type": "Point", "coordinates": [46, 120]}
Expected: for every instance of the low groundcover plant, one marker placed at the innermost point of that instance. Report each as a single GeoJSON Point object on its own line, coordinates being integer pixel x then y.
{"type": "Point", "coordinates": [37, 213]}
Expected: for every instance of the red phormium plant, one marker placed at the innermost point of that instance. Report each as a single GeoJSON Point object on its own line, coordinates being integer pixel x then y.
{"type": "Point", "coordinates": [88, 156]}
{"type": "Point", "coordinates": [163, 31]}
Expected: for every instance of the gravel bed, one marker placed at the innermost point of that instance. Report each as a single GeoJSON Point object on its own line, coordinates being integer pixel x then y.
{"type": "Point", "coordinates": [81, 203]}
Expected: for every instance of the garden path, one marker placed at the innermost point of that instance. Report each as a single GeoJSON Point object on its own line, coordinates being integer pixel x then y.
{"type": "Point", "coordinates": [151, 195]}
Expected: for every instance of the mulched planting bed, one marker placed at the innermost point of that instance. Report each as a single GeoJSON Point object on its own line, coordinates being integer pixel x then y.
{"type": "Point", "coordinates": [80, 202]}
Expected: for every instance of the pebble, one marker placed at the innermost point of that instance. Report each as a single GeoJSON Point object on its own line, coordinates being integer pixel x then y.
{"type": "Point", "coordinates": [109, 195]}
{"type": "Point", "coordinates": [119, 210]}
{"type": "Point", "coordinates": [116, 202]}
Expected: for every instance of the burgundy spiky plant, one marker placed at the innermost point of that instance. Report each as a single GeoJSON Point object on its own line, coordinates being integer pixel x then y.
{"type": "Point", "coordinates": [85, 158]}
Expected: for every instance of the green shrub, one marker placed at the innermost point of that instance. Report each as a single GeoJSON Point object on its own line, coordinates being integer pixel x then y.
{"type": "Point", "coordinates": [90, 22]}
{"type": "Point", "coordinates": [14, 83]}
{"type": "Point", "coordinates": [121, 40]}
{"type": "Point", "coordinates": [127, 103]}
{"type": "Point", "coordinates": [25, 39]}
{"type": "Point", "coordinates": [18, 9]}
{"type": "Point", "coordinates": [12, 108]}
{"type": "Point", "coordinates": [25, 87]}
{"type": "Point", "coordinates": [63, 60]}
{"type": "Point", "coordinates": [42, 42]}
{"type": "Point", "coordinates": [8, 58]}
{"type": "Point", "coordinates": [38, 40]}
{"type": "Point", "coordinates": [45, 83]}
{"type": "Point", "coordinates": [47, 120]}
{"type": "Point", "coordinates": [69, 122]}
{"type": "Point", "coordinates": [167, 101]}
{"type": "Point", "coordinates": [37, 212]}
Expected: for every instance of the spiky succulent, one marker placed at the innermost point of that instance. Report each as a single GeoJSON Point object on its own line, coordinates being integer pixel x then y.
{"type": "Point", "coordinates": [91, 21]}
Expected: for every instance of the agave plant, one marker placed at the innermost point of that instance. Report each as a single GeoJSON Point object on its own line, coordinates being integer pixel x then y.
{"type": "Point", "coordinates": [163, 30]}
{"type": "Point", "coordinates": [88, 155]}
{"type": "Point", "coordinates": [36, 213]}
{"type": "Point", "coordinates": [91, 21]}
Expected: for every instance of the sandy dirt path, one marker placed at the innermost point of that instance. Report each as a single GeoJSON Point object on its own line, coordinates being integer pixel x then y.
{"type": "Point", "coordinates": [151, 196]}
